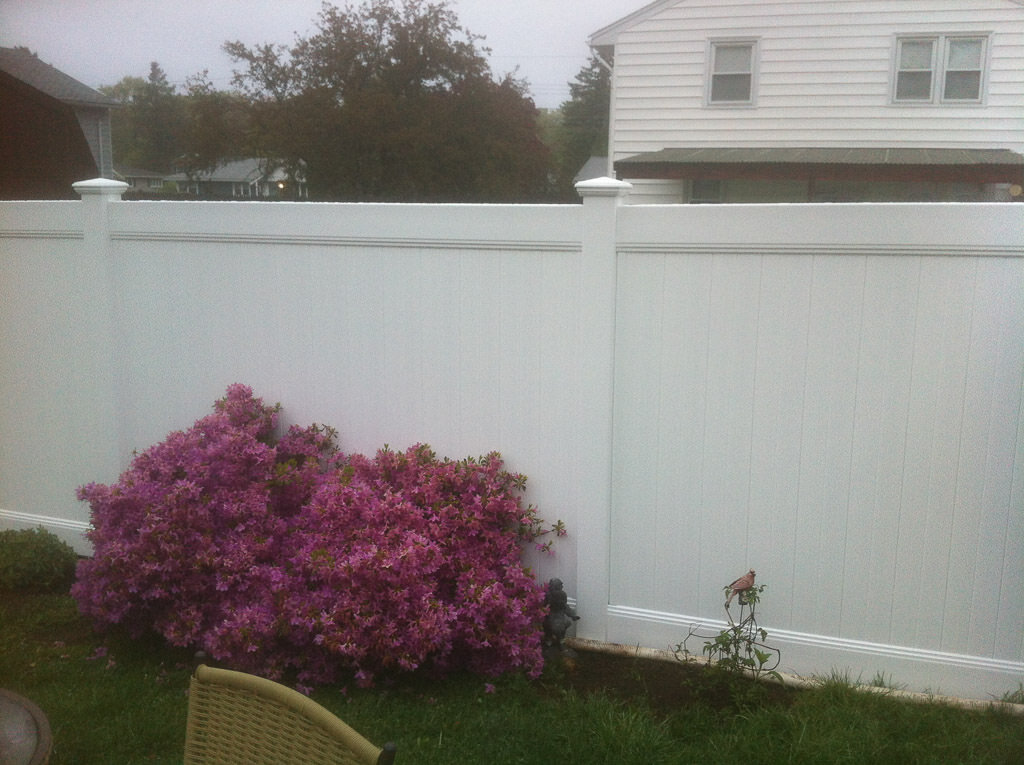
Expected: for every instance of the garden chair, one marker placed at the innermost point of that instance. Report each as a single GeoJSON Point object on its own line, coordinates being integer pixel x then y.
{"type": "Point", "coordinates": [238, 718]}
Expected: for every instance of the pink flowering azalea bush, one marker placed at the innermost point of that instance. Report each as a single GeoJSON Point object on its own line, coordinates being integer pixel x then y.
{"type": "Point", "coordinates": [283, 555]}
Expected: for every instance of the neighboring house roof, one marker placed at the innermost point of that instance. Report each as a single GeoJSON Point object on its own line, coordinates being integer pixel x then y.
{"type": "Point", "coordinates": [46, 143]}
{"type": "Point", "coordinates": [235, 171]}
{"type": "Point", "coordinates": [964, 165]}
{"type": "Point", "coordinates": [28, 68]}
{"type": "Point", "coordinates": [605, 38]}
{"type": "Point", "coordinates": [135, 172]}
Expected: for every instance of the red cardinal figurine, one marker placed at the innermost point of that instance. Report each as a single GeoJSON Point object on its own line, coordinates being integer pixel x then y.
{"type": "Point", "coordinates": [745, 582]}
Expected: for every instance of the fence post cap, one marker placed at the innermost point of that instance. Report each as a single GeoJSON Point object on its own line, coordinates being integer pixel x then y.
{"type": "Point", "coordinates": [103, 186]}
{"type": "Point", "coordinates": [603, 187]}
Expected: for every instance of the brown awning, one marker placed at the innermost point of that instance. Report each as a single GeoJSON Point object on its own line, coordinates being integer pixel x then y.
{"type": "Point", "coordinates": [936, 165]}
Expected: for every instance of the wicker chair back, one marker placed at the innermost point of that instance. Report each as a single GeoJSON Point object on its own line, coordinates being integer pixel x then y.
{"type": "Point", "coordinates": [234, 717]}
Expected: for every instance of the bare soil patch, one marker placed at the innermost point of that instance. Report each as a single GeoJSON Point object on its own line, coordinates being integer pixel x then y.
{"type": "Point", "coordinates": [665, 686]}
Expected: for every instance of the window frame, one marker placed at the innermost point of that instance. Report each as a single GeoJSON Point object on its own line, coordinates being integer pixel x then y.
{"type": "Point", "coordinates": [981, 70]}
{"type": "Point", "coordinates": [940, 69]}
{"type": "Point", "coordinates": [899, 69]}
{"type": "Point", "coordinates": [713, 45]}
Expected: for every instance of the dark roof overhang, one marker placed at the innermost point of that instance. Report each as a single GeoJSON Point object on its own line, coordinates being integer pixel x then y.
{"type": "Point", "coordinates": [935, 165]}
{"type": "Point", "coordinates": [42, 147]}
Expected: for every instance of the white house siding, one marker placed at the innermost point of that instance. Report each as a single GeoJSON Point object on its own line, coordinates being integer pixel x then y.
{"type": "Point", "coordinates": [824, 76]}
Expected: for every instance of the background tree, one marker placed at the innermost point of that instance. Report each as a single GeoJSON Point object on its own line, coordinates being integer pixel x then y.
{"type": "Point", "coordinates": [123, 121]}
{"type": "Point", "coordinates": [582, 131]}
{"type": "Point", "coordinates": [488, 144]}
{"type": "Point", "coordinates": [394, 101]}
{"type": "Point", "coordinates": [216, 126]}
{"type": "Point", "coordinates": [146, 132]}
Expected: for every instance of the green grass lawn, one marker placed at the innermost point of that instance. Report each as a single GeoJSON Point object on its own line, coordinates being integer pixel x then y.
{"type": "Point", "coordinates": [113, 700]}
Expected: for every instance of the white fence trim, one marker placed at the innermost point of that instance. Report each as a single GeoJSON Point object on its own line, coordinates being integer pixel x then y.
{"type": "Point", "coordinates": [822, 655]}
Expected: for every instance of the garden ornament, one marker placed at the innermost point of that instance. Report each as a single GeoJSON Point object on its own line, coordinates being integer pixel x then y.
{"type": "Point", "coordinates": [559, 617]}
{"type": "Point", "coordinates": [740, 586]}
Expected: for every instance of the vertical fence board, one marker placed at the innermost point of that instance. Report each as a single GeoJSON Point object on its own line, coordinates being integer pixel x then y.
{"type": "Point", "coordinates": [834, 336]}
{"type": "Point", "coordinates": [678, 452]}
{"type": "Point", "coordinates": [1002, 319]}
{"type": "Point", "coordinates": [777, 444]}
{"type": "Point", "coordinates": [934, 424]}
{"type": "Point", "coordinates": [876, 465]}
{"type": "Point", "coordinates": [636, 557]}
{"type": "Point", "coordinates": [967, 550]}
{"type": "Point", "coordinates": [725, 495]}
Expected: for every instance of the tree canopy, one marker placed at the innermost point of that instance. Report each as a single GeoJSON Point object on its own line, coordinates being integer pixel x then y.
{"type": "Point", "coordinates": [145, 131]}
{"type": "Point", "coordinates": [394, 101]}
{"type": "Point", "coordinates": [583, 129]}
{"type": "Point", "coordinates": [156, 128]}
{"type": "Point", "coordinates": [391, 100]}
{"type": "Point", "coordinates": [216, 126]}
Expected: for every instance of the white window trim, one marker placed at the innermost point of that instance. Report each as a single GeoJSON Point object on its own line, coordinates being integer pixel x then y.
{"type": "Point", "coordinates": [755, 66]}
{"type": "Point", "coordinates": [940, 54]}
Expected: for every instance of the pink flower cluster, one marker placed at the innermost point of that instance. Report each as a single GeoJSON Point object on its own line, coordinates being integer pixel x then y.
{"type": "Point", "coordinates": [285, 556]}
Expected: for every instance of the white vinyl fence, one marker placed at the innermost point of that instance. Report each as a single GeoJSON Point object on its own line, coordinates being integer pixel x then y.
{"type": "Point", "coordinates": [830, 394]}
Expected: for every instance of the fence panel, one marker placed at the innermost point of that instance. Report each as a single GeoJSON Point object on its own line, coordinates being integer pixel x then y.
{"type": "Point", "coordinates": [839, 409]}
{"type": "Point", "coordinates": [830, 394]}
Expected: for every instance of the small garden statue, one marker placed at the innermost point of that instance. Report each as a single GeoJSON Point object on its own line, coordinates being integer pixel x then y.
{"type": "Point", "coordinates": [740, 587]}
{"type": "Point", "coordinates": [559, 617]}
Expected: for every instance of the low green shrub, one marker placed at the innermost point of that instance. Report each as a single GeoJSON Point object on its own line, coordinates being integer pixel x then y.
{"type": "Point", "coordinates": [35, 560]}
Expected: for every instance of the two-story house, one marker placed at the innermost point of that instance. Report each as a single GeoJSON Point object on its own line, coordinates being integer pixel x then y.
{"type": "Point", "coordinates": [817, 100]}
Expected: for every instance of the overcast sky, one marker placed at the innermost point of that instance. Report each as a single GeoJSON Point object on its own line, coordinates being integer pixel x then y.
{"type": "Point", "coordinates": [98, 42]}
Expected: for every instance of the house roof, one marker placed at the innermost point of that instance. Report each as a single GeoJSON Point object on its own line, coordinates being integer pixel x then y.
{"type": "Point", "coordinates": [234, 171]}
{"type": "Point", "coordinates": [246, 170]}
{"type": "Point", "coordinates": [898, 164]}
{"type": "Point", "coordinates": [135, 172]}
{"type": "Point", "coordinates": [27, 67]}
{"type": "Point", "coordinates": [607, 36]}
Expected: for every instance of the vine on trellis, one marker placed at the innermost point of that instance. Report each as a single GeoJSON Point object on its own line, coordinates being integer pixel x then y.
{"type": "Point", "coordinates": [740, 648]}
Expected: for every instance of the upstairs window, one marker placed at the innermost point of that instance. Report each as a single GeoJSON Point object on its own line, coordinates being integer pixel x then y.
{"type": "Point", "coordinates": [914, 70]}
{"type": "Point", "coordinates": [732, 72]}
{"type": "Point", "coordinates": [965, 64]}
{"type": "Point", "coordinates": [945, 69]}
